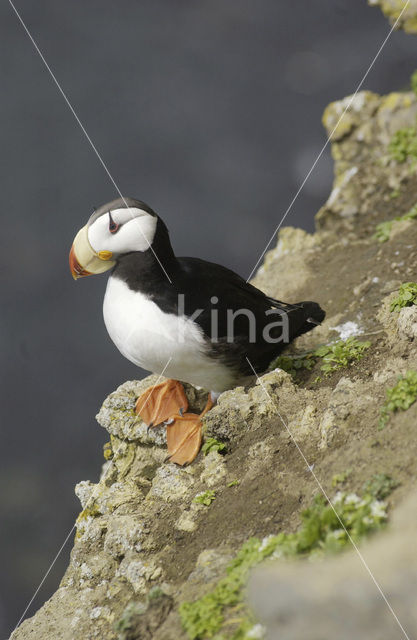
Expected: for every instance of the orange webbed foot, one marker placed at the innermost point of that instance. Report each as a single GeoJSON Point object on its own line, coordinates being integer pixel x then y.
{"type": "Point", "coordinates": [184, 436]}
{"type": "Point", "coordinates": [161, 402]}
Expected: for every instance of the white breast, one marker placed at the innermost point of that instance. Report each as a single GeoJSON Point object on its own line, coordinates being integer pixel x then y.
{"type": "Point", "coordinates": [148, 337]}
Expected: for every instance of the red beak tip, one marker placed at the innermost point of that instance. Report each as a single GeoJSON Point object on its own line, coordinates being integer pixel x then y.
{"type": "Point", "coordinates": [77, 271]}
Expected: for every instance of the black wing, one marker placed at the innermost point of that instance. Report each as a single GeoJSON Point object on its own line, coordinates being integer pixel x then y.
{"type": "Point", "coordinates": [262, 326]}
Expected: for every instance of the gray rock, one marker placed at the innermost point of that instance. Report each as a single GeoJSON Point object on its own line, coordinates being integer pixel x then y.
{"type": "Point", "coordinates": [337, 598]}
{"type": "Point", "coordinates": [407, 322]}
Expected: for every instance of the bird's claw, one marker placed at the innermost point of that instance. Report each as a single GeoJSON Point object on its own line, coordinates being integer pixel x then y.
{"type": "Point", "coordinates": [149, 427]}
{"type": "Point", "coordinates": [168, 459]}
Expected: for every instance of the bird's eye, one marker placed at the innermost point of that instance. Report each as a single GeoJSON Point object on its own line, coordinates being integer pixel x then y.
{"type": "Point", "coordinates": [113, 226]}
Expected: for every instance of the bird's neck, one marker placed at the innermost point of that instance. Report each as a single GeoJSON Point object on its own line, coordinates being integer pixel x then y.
{"type": "Point", "coordinates": [151, 269]}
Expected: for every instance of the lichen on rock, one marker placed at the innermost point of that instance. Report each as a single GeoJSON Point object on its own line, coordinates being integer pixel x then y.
{"type": "Point", "coordinates": [399, 12]}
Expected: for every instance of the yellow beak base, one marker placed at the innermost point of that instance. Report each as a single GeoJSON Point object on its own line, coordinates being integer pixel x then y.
{"type": "Point", "coordinates": [84, 261]}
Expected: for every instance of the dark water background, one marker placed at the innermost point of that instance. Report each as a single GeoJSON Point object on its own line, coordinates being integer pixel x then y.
{"type": "Point", "coordinates": [208, 111]}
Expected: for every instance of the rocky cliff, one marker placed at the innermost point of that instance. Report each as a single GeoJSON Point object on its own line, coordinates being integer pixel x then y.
{"type": "Point", "coordinates": [400, 12]}
{"type": "Point", "coordinates": [165, 552]}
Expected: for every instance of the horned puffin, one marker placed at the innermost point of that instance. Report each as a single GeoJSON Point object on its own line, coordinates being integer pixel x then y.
{"type": "Point", "coordinates": [192, 320]}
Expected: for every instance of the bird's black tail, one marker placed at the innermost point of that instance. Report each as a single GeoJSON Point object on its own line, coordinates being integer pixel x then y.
{"type": "Point", "coordinates": [302, 316]}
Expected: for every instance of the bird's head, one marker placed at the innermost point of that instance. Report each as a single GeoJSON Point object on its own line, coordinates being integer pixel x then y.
{"type": "Point", "coordinates": [116, 228]}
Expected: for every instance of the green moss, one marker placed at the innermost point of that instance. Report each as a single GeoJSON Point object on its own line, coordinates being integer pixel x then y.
{"type": "Point", "coordinates": [211, 444]}
{"type": "Point", "coordinates": [204, 617]}
{"type": "Point", "coordinates": [341, 354]}
{"type": "Point", "coordinates": [246, 629]}
{"type": "Point", "coordinates": [155, 593]}
{"type": "Point", "coordinates": [413, 82]}
{"type": "Point", "coordinates": [130, 625]}
{"type": "Point", "coordinates": [334, 356]}
{"type": "Point", "coordinates": [107, 451]}
{"type": "Point", "coordinates": [90, 512]}
{"type": "Point", "coordinates": [383, 229]}
{"type": "Point", "coordinates": [127, 621]}
{"type": "Point", "coordinates": [403, 145]}
{"type": "Point", "coordinates": [380, 486]}
{"type": "Point", "coordinates": [293, 363]}
{"type": "Point", "coordinates": [410, 215]}
{"type": "Point", "coordinates": [320, 532]}
{"type": "Point", "coordinates": [340, 478]}
{"type": "Point", "coordinates": [410, 25]}
{"type": "Point", "coordinates": [407, 296]}
{"type": "Point", "coordinates": [400, 397]}
{"type": "Point", "coordinates": [205, 498]}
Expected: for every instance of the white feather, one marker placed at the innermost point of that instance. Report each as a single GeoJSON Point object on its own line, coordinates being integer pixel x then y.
{"type": "Point", "coordinates": [149, 337]}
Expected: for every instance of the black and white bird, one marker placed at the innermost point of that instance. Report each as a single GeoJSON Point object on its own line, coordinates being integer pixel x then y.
{"type": "Point", "coordinates": [188, 319]}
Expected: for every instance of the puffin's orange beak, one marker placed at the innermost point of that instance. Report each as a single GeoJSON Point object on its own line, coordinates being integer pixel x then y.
{"type": "Point", "coordinates": [77, 271]}
{"type": "Point", "coordinates": [84, 261]}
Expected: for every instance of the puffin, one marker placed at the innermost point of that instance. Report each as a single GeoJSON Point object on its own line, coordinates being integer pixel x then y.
{"type": "Point", "coordinates": [183, 318]}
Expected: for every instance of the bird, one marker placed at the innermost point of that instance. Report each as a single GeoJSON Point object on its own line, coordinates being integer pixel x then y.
{"type": "Point", "coordinates": [185, 318]}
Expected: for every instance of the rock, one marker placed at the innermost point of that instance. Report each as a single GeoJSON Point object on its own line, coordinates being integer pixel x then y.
{"type": "Point", "coordinates": [207, 567]}
{"type": "Point", "coordinates": [293, 240]}
{"type": "Point", "coordinates": [214, 469]}
{"type": "Point", "coordinates": [118, 417]}
{"type": "Point", "coordinates": [187, 519]}
{"type": "Point", "coordinates": [348, 404]}
{"type": "Point", "coordinates": [393, 8]}
{"type": "Point", "coordinates": [138, 572]}
{"type": "Point", "coordinates": [237, 408]}
{"type": "Point", "coordinates": [124, 533]}
{"type": "Point", "coordinates": [362, 135]}
{"type": "Point", "coordinates": [407, 322]}
{"type": "Point", "coordinates": [171, 482]}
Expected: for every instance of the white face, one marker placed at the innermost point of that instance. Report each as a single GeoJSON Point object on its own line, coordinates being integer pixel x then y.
{"type": "Point", "coordinates": [122, 231]}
